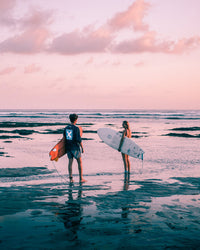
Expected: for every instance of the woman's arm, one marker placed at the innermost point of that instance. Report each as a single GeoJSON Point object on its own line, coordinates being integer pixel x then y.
{"type": "Point", "coordinates": [121, 141]}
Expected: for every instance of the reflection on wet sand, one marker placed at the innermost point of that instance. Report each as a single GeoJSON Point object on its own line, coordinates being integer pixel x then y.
{"type": "Point", "coordinates": [125, 209]}
{"type": "Point", "coordinates": [71, 213]}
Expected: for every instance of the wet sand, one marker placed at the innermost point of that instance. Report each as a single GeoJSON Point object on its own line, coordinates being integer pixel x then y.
{"type": "Point", "coordinates": [107, 212]}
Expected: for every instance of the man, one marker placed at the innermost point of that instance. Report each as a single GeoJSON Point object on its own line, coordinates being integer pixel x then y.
{"type": "Point", "coordinates": [73, 143]}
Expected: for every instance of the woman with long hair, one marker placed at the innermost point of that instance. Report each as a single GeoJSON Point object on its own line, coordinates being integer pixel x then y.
{"type": "Point", "coordinates": [126, 133]}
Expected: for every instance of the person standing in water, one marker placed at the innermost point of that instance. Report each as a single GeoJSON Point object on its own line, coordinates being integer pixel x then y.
{"type": "Point", "coordinates": [73, 143]}
{"type": "Point", "coordinates": [125, 157]}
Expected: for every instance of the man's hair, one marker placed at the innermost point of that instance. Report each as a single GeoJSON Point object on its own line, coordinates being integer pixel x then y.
{"type": "Point", "coordinates": [73, 117]}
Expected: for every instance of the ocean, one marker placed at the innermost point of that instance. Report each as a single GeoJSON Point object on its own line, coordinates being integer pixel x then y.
{"type": "Point", "coordinates": [157, 206]}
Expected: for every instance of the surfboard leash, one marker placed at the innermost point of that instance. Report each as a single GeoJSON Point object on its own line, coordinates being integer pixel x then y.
{"type": "Point", "coordinates": [62, 177]}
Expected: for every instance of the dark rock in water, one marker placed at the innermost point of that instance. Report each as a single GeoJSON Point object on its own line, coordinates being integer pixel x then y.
{"type": "Point", "coordinates": [7, 141]}
{"type": "Point", "coordinates": [24, 132]}
{"type": "Point", "coordinates": [25, 171]}
{"type": "Point", "coordinates": [90, 131]}
{"type": "Point", "coordinates": [60, 131]}
{"type": "Point", "coordinates": [187, 129]}
{"type": "Point", "coordinates": [19, 131]}
{"type": "Point", "coordinates": [4, 154]}
{"type": "Point", "coordinates": [87, 139]}
{"type": "Point", "coordinates": [27, 124]}
{"type": "Point", "coordinates": [5, 137]}
{"type": "Point", "coordinates": [50, 131]}
{"type": "Point", "coordinates": [139, 134]}
{"type": "Point", "coordinates": [185, 135]}
{"type": "Point", "coordinates": [85, 124]}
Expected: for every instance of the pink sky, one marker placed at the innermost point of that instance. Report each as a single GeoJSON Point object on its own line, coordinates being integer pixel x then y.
{"type": "Point", "coordinates": [140, 54]}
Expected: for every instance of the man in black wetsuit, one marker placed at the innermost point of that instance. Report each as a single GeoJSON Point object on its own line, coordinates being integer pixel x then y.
{"type": "Point", "coordinates": [74, 146]}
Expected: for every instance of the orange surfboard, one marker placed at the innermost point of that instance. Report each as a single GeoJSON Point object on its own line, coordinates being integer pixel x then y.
{"type": "Point", "coordinates": [58, 150]}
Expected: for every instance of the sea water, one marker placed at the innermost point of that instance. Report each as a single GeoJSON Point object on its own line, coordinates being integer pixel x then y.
{"type": "Point", "coordinates": [170, 139]}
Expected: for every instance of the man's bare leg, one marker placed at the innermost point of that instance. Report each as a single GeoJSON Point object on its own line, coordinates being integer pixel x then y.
{"type": "Point", "coordinates": [70, 169]}
{"type": "Point", "coordinates": [80, 169]}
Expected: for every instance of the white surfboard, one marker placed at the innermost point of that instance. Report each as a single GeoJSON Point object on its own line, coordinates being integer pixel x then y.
{"type": "Point", "coordinates": [112, 138]}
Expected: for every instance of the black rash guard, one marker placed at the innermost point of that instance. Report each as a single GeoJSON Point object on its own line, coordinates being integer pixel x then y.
{"type": "Point", "coordinates": [72, 137]}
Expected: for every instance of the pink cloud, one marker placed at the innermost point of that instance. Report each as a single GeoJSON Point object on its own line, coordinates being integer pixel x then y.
{"type": "Point", "coordinates": [31, 41]}
{"type": "Point", "coordinates": [31, 69]}
{"type": "Point", "coordinates": [149, 42]}
{"type": "Point", "coordinates": [132, 17]}
{"type": "Point", "coordinates": [6, 7]}
{"type": "Point", "coordinates": [37, 19]}
{"type": "Point", "coordinates": [78, 42]}
{"type": "Point", "coordinates": [103, 39]}
{"type": "Point", "coordinates": [145, 43]}
{"type": "Point", "coordinates": [33, 36]}
{"type": "Point", "coordinates": [184, 44]}
{"type": "Point", "coordinates": [7, 70]}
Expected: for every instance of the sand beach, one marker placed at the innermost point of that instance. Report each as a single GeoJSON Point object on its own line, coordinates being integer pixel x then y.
{"type": "Point", "coordinates": [157, 206]}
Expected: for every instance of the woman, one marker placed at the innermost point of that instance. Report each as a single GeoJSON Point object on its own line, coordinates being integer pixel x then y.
{"type": "Point", "coordinates": [125, 133]}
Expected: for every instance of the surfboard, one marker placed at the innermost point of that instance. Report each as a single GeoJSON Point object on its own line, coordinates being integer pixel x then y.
{"type": "Point", "coordinates": [58, 150]}
{"type": "Point", "coordinates": [112, 138]}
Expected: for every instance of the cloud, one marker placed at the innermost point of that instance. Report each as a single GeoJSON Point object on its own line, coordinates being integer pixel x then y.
{"type": "Point", "coordinates": [105, 38]}
{"type": "Point", "coordinates": [31, 69]}
{"type": "Point", "coordinates": [90, 40]}
{"type": "Point", "coordinates": [132, 17]}
{"type": "Point", "coordinates": [183, 44]}
{"type": "Point", "coordinates": [33, 36]}
{"type": "Point", "coordinates": [6, 7]}
{"type": "Point", "coordinates": [78, 42]}
{"type": "Point", "coordinates": [7, 70]}
{"type": "Point", "coordinates": [30, 41]}
{"type": "Point", "coordinates": [36, 19]}
{"type": "Point", "coordinates": [149, 42]}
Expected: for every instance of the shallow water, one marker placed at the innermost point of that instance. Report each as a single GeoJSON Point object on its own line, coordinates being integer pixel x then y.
{"type": "Point", "coordinates": [157, 206]}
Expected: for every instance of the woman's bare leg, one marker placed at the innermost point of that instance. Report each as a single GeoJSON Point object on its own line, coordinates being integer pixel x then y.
{"type": "Point", "coordinates": [124, 161]}
{"type": "Point", "coordinates": [128, 163]}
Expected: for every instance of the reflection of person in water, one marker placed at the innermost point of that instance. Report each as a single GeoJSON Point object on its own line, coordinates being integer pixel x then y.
{"type": "Point", "coordinates": [125, 209]}
{"type": "Point", "coordinates": [71, 213]}
{"type": "Point", "coordinates": [126, 181]}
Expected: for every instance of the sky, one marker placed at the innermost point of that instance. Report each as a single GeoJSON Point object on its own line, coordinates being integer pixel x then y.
{"type": "Point", "coordinates": [92, 54]}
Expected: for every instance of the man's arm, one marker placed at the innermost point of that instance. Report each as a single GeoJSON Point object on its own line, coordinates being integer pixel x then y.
{"type": "Point", "coordinates": [81, 144]}
{"type": "Point", "coordinates": [79, 138]}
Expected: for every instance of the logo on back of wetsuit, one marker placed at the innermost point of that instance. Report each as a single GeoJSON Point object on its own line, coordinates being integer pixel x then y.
{"type": "Point", "coordinates": [69, 134]}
